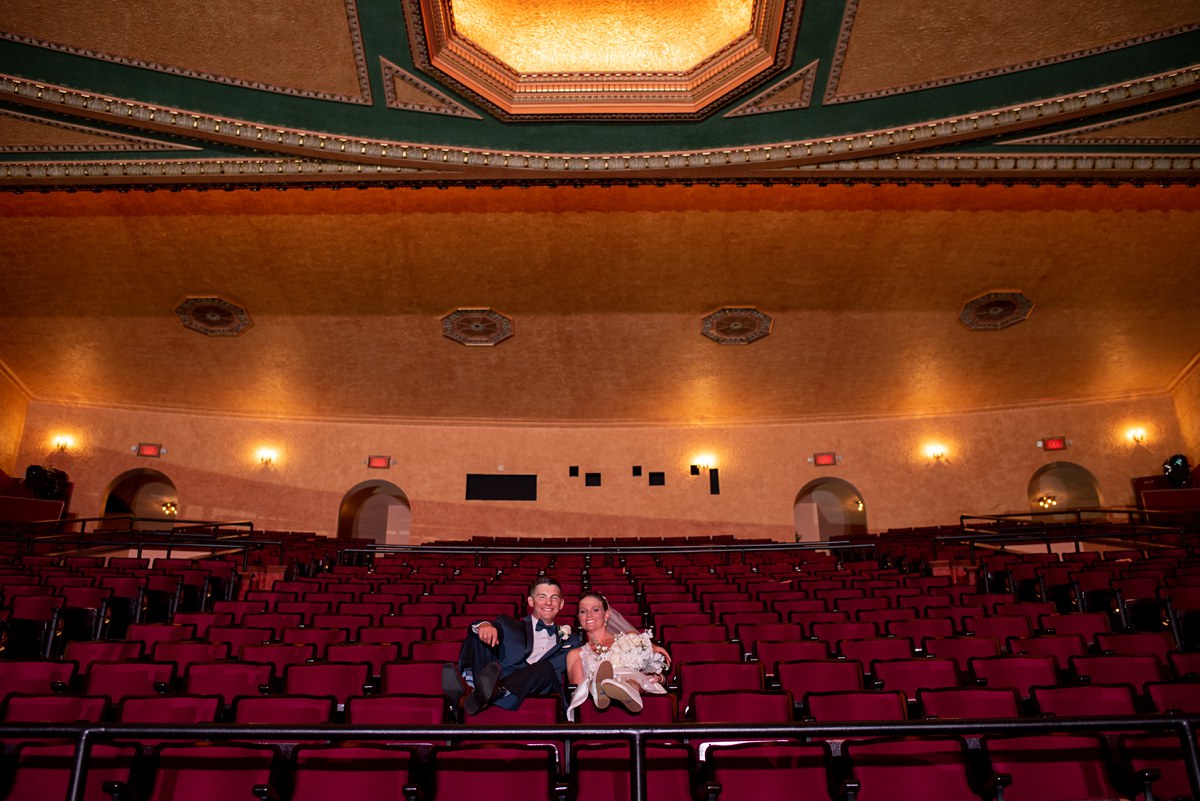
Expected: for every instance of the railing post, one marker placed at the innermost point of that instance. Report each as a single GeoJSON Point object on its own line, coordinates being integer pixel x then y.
{"type": "Point", "coordinates": [1191, 757]}
{"type": "Point", "coordinates": [637, 768]}
{"type": "Point", "coordinates": [77, 782]}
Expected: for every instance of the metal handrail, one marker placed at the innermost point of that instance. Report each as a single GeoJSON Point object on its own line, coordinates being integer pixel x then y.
{"type": "Point", "coordinates": [482, 550]}
{"type": "Point", "coordinates": [86, 734]}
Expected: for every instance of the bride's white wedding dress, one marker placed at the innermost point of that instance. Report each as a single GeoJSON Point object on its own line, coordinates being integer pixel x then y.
{"type": "Point", "coordinates": [633, 680]}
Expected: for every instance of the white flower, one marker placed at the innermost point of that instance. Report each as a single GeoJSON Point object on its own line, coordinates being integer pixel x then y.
{"type": "Point", "coordinates": [635, 652]}
{"type": "Point", "coordinates": [564, 632]}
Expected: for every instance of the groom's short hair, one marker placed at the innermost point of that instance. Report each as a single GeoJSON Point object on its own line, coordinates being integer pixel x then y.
{"type": "Point", "coordinates": [540, 580]}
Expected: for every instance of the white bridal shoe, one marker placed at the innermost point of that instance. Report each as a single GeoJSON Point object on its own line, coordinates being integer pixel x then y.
{"type": "Point", "coordinates": [624, 693]}
{"type": "Point", "coordinates": [604, 673]}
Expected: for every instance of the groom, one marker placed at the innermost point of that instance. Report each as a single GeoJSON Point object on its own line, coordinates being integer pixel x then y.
{"type": "Point", "coordinates": [508, 659]}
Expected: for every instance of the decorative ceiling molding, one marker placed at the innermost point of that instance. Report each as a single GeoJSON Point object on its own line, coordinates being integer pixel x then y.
{"type": "Point", "coordinates": [837, 67]}
{"type": "Point", "coordinates": [1079, 136]}
{"type": "Point", "coordinates": [883, 145]}
{"type": "Point", "coordinates": [356, 45]}
{"type": "Point", "coordinates": [764, 51]}
{"type": "Point", "coordinates": [478, 327]}
{"type": "Point", "coordinates": [90, 140]}
{"type": "Point", "coordinates": [407, 92]}
{"type": "Point", "coordinates": [212, 316]}
{"type": "Point", "coordinates": [993, 311]}
{"type": "Point", "coordinates": [736, 325]}
{"type": "Point", "coordinates": [794, 92]}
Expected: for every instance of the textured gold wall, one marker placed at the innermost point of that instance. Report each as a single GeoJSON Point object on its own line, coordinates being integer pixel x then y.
{"type": "Point", "coordinates": [13, 408]}
{"type": "Point", "coordinates": [990, 459]}
{"type": "Point", "coordinates": [1187, 409]}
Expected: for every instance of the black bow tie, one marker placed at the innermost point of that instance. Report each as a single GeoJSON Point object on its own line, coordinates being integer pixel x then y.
{"type": "Point", "coordinates": [543, 627]}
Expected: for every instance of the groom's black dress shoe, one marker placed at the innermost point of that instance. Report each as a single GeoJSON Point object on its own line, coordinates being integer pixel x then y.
{"type": "Point", "coordinates": [452, 683]}
{"type": "Point", "coordinates": [486, 682]}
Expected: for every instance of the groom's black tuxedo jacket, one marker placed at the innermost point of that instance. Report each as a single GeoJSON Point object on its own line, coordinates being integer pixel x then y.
{"type": "Point", "coordinates": [516, 643]}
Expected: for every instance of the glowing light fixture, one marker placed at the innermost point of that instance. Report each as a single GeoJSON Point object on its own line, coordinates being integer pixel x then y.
{"type": "Point", "coordinates": [267, 455]}
{"type": "Point", "coordinates": [704, 461]}
{"type": "Point", "coordinates": [1136, 435]}
{"type": "Point", "coordinates": [169, 508]}
{"type": "Point", "coordinates": [857, 504]}
{"type": "Point", "coordinates": [1047, 501]}
{"type": "Point", "coordinates": [935, 451]}
{"type": "Point", "coordinates": [64, 442]}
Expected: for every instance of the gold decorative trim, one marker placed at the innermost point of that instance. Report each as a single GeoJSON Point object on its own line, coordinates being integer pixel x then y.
{"type": "Point", "coordinates": [438, 103]}
{"type": "Point", "coordinates": [354, 151]}
{"type": "Point", "coordinates": [202, 169]}
{"type": "Point", "coordinates": [999, 166]}
{"type": "Point", "coordinates": [1074, 137]}
{"type": "Point", "coordinates": [356, 44]}
{"type": "Point", "coordinates": [124, 143]}
{"type": "Point", "coordinates": [779, 98]}
{"type": "Point", "coordinates": [843, 43]}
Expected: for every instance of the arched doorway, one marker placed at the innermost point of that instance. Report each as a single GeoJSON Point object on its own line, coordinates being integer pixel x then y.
{"type": "Point", "coordinates": [142, 493]}
{"type": "Point", "coordinates": [1063, 485]}
{"type": "Point", "coordinates": [827, 508]}
{"type": "Point", "coordinates": [375, 510]}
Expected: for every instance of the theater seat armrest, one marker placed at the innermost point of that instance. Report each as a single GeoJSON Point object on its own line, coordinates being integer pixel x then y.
{"type": "Point", "coordinates": [58, 686]}
{"type": "Point", "coordinates": [412, 793]}
{"type": "Point", "coordinates": [265, 792]}
{"type": "Point", "coordinates": [996, 784]}
{"type": "Point", "coordinates": [710, 791]}
{"type": "Point", "coordinates": [119, 791]}
{"type": "Point", "coordinates": [1146, 777]}
{"type": "Point", "coordinates": [850, 790]}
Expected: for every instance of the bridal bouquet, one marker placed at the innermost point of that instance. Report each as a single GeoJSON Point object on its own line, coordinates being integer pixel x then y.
{"type": "Point", "coordinates": [633, 652]}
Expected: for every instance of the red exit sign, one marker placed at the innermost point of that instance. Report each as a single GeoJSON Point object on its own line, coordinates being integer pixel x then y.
{"type": "Point", "coordinates": [1054, 443]}
{"type": "Point", "coordinates": [825, 459]}
{"type": "Point", "coordinates": [152, 450]}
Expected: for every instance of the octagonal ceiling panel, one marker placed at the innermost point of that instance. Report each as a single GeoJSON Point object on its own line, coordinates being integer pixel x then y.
{"type": "Point", "coordinates": [660, 58]}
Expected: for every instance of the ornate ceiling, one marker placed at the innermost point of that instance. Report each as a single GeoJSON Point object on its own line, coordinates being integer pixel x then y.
{"type": "Point", "coordinates": [468, 91]}
{"type": "Point", "coordinates": [831, 210]}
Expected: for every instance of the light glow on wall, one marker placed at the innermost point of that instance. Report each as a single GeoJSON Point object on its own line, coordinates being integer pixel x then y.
{"type": "Point", "coordinates": [935, 451]}
{"type": "Point", "coordinates": [63, 442]}
{"type": "Point", "coordinates": [267, 456]}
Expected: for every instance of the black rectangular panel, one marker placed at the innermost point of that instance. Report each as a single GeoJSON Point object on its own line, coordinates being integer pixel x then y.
{"type": "Point", "coordinates": [490, 487]}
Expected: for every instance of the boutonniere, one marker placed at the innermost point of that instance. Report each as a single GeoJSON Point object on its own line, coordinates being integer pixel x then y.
{"type": "Point", "coordinates": [564, 632]}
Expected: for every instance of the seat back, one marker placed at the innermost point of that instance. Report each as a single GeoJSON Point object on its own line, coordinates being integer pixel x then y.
{"type": "Point", "coordinates": [910, 769]}
{"type": "Point", "coordinates": [206, 772]}
{"type": "Point", "coordinates": [509, 772]}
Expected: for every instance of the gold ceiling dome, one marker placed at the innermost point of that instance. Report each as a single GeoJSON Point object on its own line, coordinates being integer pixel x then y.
{"type": "Point", "coordinates": [641, 58]}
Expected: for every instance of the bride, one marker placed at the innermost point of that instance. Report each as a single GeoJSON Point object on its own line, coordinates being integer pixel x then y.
{"type": "Point", "coordinates": [618, 662]}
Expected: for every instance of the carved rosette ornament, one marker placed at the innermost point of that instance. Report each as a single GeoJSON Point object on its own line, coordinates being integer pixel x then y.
{"type": "Point", "coordinates": [478, 327]}
{"type": "Point", "coordinates": [214, 317]}
{"type": "Point", "coordinates": [736, 326]}
{"type": "Point", "coordinates": [995, 310]}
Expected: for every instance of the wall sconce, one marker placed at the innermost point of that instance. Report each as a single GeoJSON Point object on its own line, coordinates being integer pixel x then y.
{"type": "Point", "coordinates": [935, 451]}
{"type": "Point", "coordinates": [267, 456]}
{"type": "Point", "coordinates": [1136, 435]}
{"type": "Point", "coordinates": [63, 442]}
{"type": "Point", "coordinates": [1047, 501]}
{"type": "Point", "coordinates": [857, 504]}
{"type": "Point", "coordinates": [706, 461]}
{"type": "Point", "coordinates": [169, 508]}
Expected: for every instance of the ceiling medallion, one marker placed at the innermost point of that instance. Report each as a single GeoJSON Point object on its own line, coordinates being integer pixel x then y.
{"type": "Point", "coordinates": [995, 310]}
{"type": "Point", "coordinates": [525, 64]}
{"type": "Point", "coordinates": [480, 327]}
{"type": "Point", "coordinates": [736, 325]}
{"type": "Point", "coordinates": [214, 317]}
